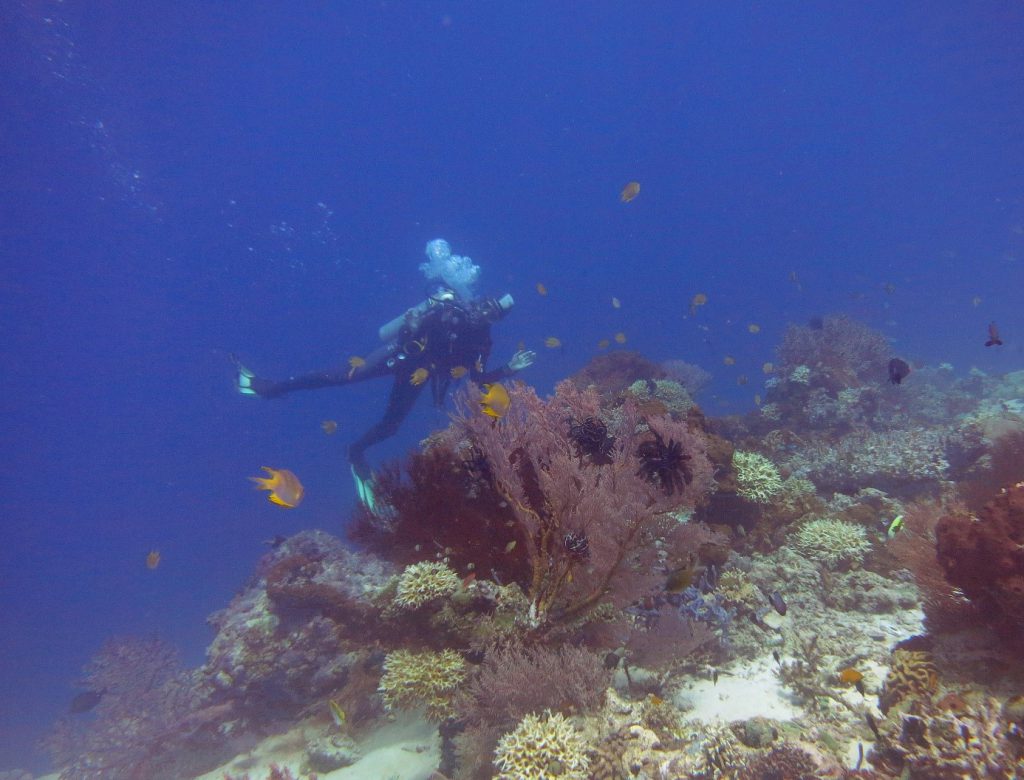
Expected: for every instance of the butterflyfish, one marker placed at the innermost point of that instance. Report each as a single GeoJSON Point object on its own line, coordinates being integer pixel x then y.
{"type": "Point", "coordinates": [620, 338]}
{"type": "Point", "coordinates": [541, 289]}
{"type": "Point", "coordinates": [552, 342]}
{"type": "Point", "coordinates": [285, 488]}
{"type": "Point", "coordinates": [419, 376]}
{"type": "Point", "coordinates": [458, 372]}
{"type": "Point", "coordinates": [768, 368]}
{"type": "Point", "coordinates": [353, 364]}
{"type": "Point", "coordinates": [754, 328]}
{"type": "Point", "coordinates": [329, 427]}
{"type": "Point", "coordinates": [630, 191]}
{"type": "Point", "coordinates": [494, 401]}
{"type": "Point", "coordinates": [153, 559]}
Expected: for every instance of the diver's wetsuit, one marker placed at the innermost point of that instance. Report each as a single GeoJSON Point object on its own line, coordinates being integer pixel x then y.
{"type": "Point", "coordinates": [453, 335]}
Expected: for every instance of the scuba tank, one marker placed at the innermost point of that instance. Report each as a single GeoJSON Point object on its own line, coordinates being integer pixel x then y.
{"type": "Point", "coordinates": [410, 319]}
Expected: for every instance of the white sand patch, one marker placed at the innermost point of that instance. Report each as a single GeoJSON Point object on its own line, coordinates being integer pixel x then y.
{"type": "Point", "coordinates": [743, 691]}
{"type": "Point", "coordinates": [408, 748]}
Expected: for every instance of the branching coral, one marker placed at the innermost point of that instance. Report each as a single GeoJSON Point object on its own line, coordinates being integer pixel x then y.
{"type": "Point", "coordinates": [831, 541]}
{"type": "Point", "coordinates": [426, 679]}
{"type": "Point", "coordinates": [424, 582]}
{"type": "Point", "coordinates": [757, 479]}
{"type": "Point", "coordinates": [552, 493]}
{"type": "Point", "coordinates": [544, 746]}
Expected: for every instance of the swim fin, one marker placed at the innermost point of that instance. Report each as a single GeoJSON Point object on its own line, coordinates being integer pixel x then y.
{"type": "Point", "coordinates": [243, 379]}
{"type": "Point", "coordinates": [364, 488]}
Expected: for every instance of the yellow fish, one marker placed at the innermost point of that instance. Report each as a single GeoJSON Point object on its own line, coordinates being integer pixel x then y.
{"type": "Point", "coordinates": [458, 372]}
{"type": "Point", "coordinates": [754, 327]}
{"type": "Point", "coordinates": [620, 338]}
{"type": "Point", "coordinates": [510, 546]}
{"type": "Point", "coordinates": [757, 399]}
{"type": "Point", "coordinates": [696, 301]}
{"type": "Point", "coordinates": [354, 363]}
{"type": "Point", "coordinates": [630, 191]}
{"type": "Point", "coordinates": [552, 343]}
{"type": "Point", "coordinates": [329, 427]}
{"type": "Point", "coordinates": [541, 288]}
{"type": "Point", "coordinates": [494, 401]}
{"type": "Point", "coordinates": [419, 376]}
{"type": "Point", "coordinates": [337, 714]}
{"type": "Point", "coordinates": [153, 559]}
{"type": "Point", "coordinates": [767, 368]}
{"type": "Point", "coordinates": [285, 488]}
{"type": "Point", "coordinates": [729, 360]}
{"type": "Point", "coordinates": [603, 344]}
{"type": "Point", "coordinates": [616, 303]}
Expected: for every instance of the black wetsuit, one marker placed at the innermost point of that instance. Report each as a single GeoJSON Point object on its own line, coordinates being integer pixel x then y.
{"type": "Point", "coordinates": [452, 336]}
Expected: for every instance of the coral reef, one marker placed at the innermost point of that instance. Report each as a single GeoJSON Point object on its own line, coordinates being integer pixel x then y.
{"type": "Point", "coordinates": [757, 479]}
{"type": "Point", "coordinates": [984, 558]}
{"type": "Point", "coordinates": [542, 746]}
{"type": "Point", "coordinates": [831, 541]}
{"type": "Point", "coordinates": [911, 673]}
{"type": "Point", "coordinates": [427, 679]}
{"type": "Point", "coordinates": [424, 582]}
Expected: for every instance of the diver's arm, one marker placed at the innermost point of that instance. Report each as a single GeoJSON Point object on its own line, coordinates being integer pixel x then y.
{"type": "Point", "coordinates": [522, 359]}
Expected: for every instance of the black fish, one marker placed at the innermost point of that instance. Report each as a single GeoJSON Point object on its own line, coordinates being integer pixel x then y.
{"type": "Point", "coordinates": [778, 603]}
{"type": "Point", "coordinates": [85, 701]}
{"type": "Point", "coordinates": [898, 370]}
{"type": "Point", "coordinates": [873, 726]}
{"type": "Point", "coordinates": [611, 660]}
{"type": "Point", "coordinates": [993, 336]}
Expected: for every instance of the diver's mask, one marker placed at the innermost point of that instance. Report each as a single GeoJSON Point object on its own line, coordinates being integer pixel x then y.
{"type": "Point", "coordinates": [493, 309]}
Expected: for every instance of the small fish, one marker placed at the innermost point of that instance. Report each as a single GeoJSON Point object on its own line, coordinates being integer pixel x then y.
{"type": "Point", "coordinates": [757, 399]}
{"type": "Point", "coordinates": [873, 725]}
{"type": "Point", "coordinates": [776, 656]}
{"type": "Point", "coordinates": [355, 363]}
{"type": "Point", "coordinates": [616, 303]}
{"type": "Point", "coordinates": [337, 714]}
{"type": "Point", "coordinates": [898, 371]}
{"type": "Point", "coordinates": [696, 301]}
{"type": "Point", "coordinates": [976, 301]}
{"type": "Point", "coordinates": [419, 376]}
{"type": "Point", "coordinates": [850, 676]}
{"type": "Point", "coordinates": [796, 281]}
{"type": "Point", "coordinates": [541, 289]}
{"type": "Point", "coordinates": [620, 338]}
{"type": "Point", "coordinates": [468, 580]}
{"type": "Point", "coordinates": [767, 368]}
{"type": "Point", "coordinates": [656, 700]}
{"type": "Point", "coordinates": [859, 685]}
{"type": "Point", "coordinates": [495, 400]}
{"type": "Point", "coordinates": [742, 379]}
{"type": "Point", "coordinates": [714, 677]}
{"type": "Point", "coordinates": [993, 336]}
{"type": "Point", "coordinates": [457, 372]}
{"type": "Point", "coordinates": [729, 360]}
{"type": "Point", "coordinates": [552, 342]}
{"type": "Point", "coordinates": [630, 191]}
{"type": "Point", "coordinates": [510, 546]}
{"type": "Point", "coordinates": [754, 328]}
{"type": "Point", "coordinates": [153, 559]}
{"type": "Point", "coordinates": [330, 427]}
{"type": "Point", "coordinates": [285, 488]}
{"type": "Point", "coordinates": [894, 526]}
{"type": "Point", "coordinates": [889, 288]}
{"type": "Point", "coordinates": [778, 603]}
{"type": "Point", "coordinates": [85, 701]}
{"type": "Point", "coordinates": [603, 344]}
{"type": "Point", "coordinates": [611, 660]}
{"type": "Point", "coordinates": [681, 578]}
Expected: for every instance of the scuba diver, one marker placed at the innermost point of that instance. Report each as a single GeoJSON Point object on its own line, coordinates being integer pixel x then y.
{"type": "Point", "coordinates": [446, 336]}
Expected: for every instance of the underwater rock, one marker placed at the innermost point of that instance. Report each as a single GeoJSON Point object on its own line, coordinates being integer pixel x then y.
{"type": "Point", "coordinates": [327, 753]}
{"type": "Point", "coordinates": [865, 591]}
{"type": "Point", "coordinates": [756, 732]}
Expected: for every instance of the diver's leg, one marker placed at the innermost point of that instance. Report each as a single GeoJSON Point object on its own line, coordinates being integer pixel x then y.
{"type": "Point", "coordinates": [375, 365]}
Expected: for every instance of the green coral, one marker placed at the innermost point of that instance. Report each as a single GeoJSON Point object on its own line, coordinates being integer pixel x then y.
{"type": "Point", "coordinates": [675, 397]}
{"type": "Point", "coordinates": [423, 582]}
{"type": "Point", "coordinates": [542, 747]}
{"type": "Point", "coordinates": [831, 541]}
{"type": "Point", "coordinates": [427, 679]}
{"type": "Point", "coordinates": [757, 479]}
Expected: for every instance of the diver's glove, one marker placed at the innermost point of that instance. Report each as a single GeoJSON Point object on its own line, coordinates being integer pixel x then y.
{"type": "Point", "coordinates": [522, 359]}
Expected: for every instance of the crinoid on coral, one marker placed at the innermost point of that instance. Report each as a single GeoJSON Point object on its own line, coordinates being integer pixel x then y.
{"type": "Point", "coordinates": [664, 464]}
{"type": "Point", "coordinates": [757, 479]}
{"type": "Point", "coordinates": [590, 438]}
{"type": "Point", "coordinates": [542, 746]}
{"type": "Point", "coordinates": [428, 680]}
{"type": "Point", "coordinates": [831, 541]}
{"type": "Point", "coordinates": [425, 582]}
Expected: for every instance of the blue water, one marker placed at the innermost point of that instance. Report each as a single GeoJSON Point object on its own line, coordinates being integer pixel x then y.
{"type": "Point", "coordinates": [182, 181]}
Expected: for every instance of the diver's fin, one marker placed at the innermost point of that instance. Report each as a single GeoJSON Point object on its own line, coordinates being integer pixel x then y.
{"type": "Point", "coordinates": [364, 488]}
{"type": "Point", "coordinates": [243, 378]}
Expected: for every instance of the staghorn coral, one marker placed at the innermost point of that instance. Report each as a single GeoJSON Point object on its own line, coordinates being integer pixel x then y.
{"type": "Point", "coordinates": [831, 541]}
{"type": "Point", "coordinates": [757, 479]}
{"type": "Point", "coordinates": [544, 746]}
{"type": "Point", "coordinates": [424, 582]}
{"type": "Point", "coordinates": [426, 679]}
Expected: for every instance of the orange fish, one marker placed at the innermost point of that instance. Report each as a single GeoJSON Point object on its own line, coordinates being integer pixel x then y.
{"type": "Point", "coordinates": [285, 488]}
{"type": "Point", "coordinates": [419, 376]}
{"type": "Point", "coordinates": [754, 327]}
{"type": "Point", "coordinates": [354, 363]}
{"type": "Point", "coordinates": [541, 288]}
{"type": "Point", "coordinates": [630, 191]}
{"type": "Point", "coordinates": [603, 344]}
{"type": "Point", "coordinates": [850, 676]}
{"type": "Point", "coordinates": [329, 427]}
{"type": "Point", "coordinates": [767, 368]}
{"type": "Point", "coordinates": [468, 580]}
{"type": "Point", "coordinates": [458, 372]}
{"type": "Point", "coordinates": [552, 342]}
{"type": "Point", "coordinates": [620, 338]}
{"type": "Point", "coordinates": [697, 301]}
{"type": "Point", "coordinates": [153, 559]}
{"type": "Point", "coordinates": [729, 360]}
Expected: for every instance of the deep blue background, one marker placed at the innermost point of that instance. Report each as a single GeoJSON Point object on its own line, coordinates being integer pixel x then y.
{"type": "Point", "coordinates": [179, 181]}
